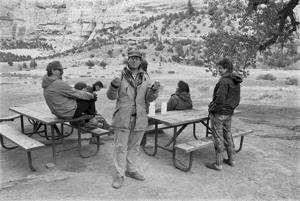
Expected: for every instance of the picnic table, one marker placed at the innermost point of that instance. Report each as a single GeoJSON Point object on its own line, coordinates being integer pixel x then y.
{"type": "Point", "coordinates": [40, 115]}
{"type": "Point", "coordinates": [179, 120]}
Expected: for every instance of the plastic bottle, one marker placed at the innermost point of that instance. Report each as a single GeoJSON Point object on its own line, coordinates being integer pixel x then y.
{"type": "Point", "coordinates": [152, 109]}
{"type": "Point", "coordinates": [163, 108]}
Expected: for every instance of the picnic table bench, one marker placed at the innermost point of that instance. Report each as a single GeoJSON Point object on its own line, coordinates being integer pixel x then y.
{"type": "Point", "coordinates": [194, 145]}
{"type": "Point", "coordinates": [21, 140]}
{"type": "Point", "coordinates": [178, 120]}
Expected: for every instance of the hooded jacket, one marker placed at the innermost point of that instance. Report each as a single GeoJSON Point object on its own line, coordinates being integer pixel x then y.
{"type": "Point", "coordinates": [61, 97]}
{"type": "Point", "coordinates": [181, 101]}
{"type": "Point", "coordinates": [133, 96]}
{"type": "Point", "coordinates": [226, 95]}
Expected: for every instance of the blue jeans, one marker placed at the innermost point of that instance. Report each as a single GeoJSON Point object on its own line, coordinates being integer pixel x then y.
{"type": "Point", "coordinates": [222, 136]}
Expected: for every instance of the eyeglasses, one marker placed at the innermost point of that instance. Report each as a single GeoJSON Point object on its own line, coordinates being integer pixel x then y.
{"type": "Point", "coordinates": [59, 70]}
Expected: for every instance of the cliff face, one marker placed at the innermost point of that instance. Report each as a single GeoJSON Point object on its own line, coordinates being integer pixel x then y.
{"type": "Point", "coordinates": [58, 20]}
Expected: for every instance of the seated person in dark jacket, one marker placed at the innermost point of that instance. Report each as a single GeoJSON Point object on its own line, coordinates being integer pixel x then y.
{"type": "Point", "coordinates": [97, 86]}
{"type": "Point", "coordinates": [181, 99]}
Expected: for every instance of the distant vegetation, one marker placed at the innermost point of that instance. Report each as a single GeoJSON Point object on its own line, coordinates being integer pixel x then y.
{"type": "Point", "coordinates": [176, 37]}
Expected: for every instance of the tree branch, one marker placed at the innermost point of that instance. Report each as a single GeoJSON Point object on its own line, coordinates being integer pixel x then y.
{"type": "Point", "coordinates": [283, 14]}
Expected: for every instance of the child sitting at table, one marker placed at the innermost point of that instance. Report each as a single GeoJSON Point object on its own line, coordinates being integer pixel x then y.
{"type": "Point", "coordinates": [97, 86]}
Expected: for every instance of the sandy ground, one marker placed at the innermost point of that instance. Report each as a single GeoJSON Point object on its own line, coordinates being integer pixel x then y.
{"type": "Point", "coordinates": [267, 167]}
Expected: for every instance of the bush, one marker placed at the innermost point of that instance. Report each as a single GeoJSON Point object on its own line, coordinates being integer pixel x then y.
{"type": "Point", "coordinates": [103, 64]}
{"type": "Point", "coordinates": [90, 63]}
{"type": "Point", "coordinates": [10, 63]}
{"type": "Point", "coordinates": [24, 65]}
{"type": "Point", "coordinates": [171, 72]}
{"type": "Point", "coordinates": [291, 81]}
{"type": "Point", "coordinates": [266, 77]}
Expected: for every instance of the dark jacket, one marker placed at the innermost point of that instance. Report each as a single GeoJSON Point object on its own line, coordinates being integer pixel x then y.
{"type": "Point", "coordinates": [226, 96]}
{"type": "Point", "coordinates": [181, 101]}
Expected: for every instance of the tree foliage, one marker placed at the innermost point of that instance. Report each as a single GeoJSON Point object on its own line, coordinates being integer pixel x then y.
{"type": "Point", "coordinates": [244, 27]}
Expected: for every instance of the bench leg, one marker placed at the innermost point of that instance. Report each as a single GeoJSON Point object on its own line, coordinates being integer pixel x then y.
{"type": "Point", "coordinates": [241, 144]}
{"type": "Point", "coordinates": [4, 146]}
{"type": "Point", "coordinates": [30, 161]}
{"type": "Point", "coordinates": [80, 147]}
{"type": "Point", "coordinates": [180, 165]}
{"type": "Point", "coordinates": [155, 143]}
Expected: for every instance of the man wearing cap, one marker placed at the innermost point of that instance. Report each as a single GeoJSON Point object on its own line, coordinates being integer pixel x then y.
{"type": "Point", "coordinates": [63, 100]}
{"type": "Point", "coordinates": [133, 92]}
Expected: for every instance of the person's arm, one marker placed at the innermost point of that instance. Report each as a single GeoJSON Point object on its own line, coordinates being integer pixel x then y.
{"type": "Point", "coordinates": [220, 99]}
{"type": "Point", "coordinates": [152, 92]}
{"type": "Point", "coordinates": [112, 92]}
{"type": "Point", "coordinates": [66, 90]}
{"type": "Point", "coordinates": [172, 103]}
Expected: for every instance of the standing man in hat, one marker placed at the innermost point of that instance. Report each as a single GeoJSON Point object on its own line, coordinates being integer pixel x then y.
{"type": "Point", "coordinates": [63, 100]}
{"type": "Point", "coordinates": [133, 92]}
{"type": "Point", "coordinates": [226, 97]}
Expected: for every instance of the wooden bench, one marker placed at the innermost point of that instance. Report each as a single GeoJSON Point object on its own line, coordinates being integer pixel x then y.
{"type": "Point", "coordinates": [10, 118]}
{"type": "Point", "coordinates": [21, 140]}
{"type": "Point", "coordinates": [191, 146]}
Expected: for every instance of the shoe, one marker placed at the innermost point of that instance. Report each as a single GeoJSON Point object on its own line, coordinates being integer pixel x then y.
{"type": "Point", "coordinates": [117, 181]}
{"type": "Point", "coordinates": [214, 166]}
{"type": "Point", "coordinates": [93, 140]}
{"type": "Point", "coordinates": [93, 123]}
{"type": "Point", "coordinates": [135, 175]}
{"type": "Point", "coordinates": [229, 162]}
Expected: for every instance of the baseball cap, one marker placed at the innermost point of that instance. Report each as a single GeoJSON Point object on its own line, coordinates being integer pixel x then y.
{"type": "Point", "coordinates": [54, 65]}
{"type": "Point", "coordinates": [135, 54]}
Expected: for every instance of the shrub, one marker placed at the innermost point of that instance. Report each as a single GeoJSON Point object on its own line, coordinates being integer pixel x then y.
{"type": "Point", "coordinates": [103, 64]}
{"type": "Point", "coordinates": [171, 72]}
{"type": "Point", "coordinates": [10, 63]}
{"type": "Point", "coordinates": [92, 55]}
{"type": "Point", "coordinates": [291, 81]}
{"type": "Point", "coordinates": [24, 65]}
{"type": "Point", "coordinates": [266, 77]}
{"type": "Point", "coordinates": [20, 66]}
{"type": "Point", "coordinates": [33, 64]}
{"type": "Point", "coordinates": [90, 63]}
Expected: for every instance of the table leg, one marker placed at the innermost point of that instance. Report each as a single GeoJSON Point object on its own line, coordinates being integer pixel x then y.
{"type": "Point", "coordinates": [194, 131]}
{"type": "Point", "coordinates": [53, 144]}
{"type": "Point", "coordinates": [22, 124]}
{"type": "Point", "coordinates": [178, 133]}
{"type": "Point", "coordinates": [155, 142]}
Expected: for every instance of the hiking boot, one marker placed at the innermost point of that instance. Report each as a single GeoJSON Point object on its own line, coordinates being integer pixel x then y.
{"type": "Point", "coordinates": [117, 181]}
{"type": "Point", "coordinates": [214, 166]}
{"type": "Point", "coordinates": [135, 175]}
{"type": "Point", "coordinates": [229, 162]}
{"type": "Point", "coordinates": [93, 123]}
{"type": "Point", "coordinates": [93, 140]}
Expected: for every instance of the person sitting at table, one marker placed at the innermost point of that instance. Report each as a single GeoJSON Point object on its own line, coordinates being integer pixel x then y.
{"type": "Point", "coordinates": [97, 86]}
{"type": "Point", "coordinates": [65, 101]}
{"type": "Point", "coordinates": [181, 99]}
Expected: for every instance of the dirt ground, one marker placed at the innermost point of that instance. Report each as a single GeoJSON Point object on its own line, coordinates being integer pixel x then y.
{"type": "Point", "coordinates": [267, 168]}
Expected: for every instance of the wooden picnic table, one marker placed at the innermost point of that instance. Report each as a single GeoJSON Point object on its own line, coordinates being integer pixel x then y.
{"type": "Point", "coordinates": [179, 120]}
{"type": "Point", "coordinates": [40, 114]}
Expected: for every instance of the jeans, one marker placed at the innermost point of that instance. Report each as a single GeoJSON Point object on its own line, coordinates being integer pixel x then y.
{"type": "Point", "coordinates": [222, 136]}
{"type": "Point", "coordinates": [86, 107]}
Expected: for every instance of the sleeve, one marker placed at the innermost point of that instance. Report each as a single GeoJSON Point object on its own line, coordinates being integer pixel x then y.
{"type": "Point", "coordinates": [220, 99]}
{"type": "Point", "coordinates": [151, 94]}
{"type": "Point", "coordinates": [112, 92]}
{"type": "Point", "coordinates": [172, 103]}
{"type": "Point", "coordinates": [66, 90]}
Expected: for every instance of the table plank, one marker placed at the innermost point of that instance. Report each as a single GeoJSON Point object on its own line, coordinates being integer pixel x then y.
{"type": "Point", "coordinates": [179, 117]}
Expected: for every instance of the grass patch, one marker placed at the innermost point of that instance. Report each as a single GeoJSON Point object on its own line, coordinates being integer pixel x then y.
{"type": "Point", "coordinates": [291, 81]}
{"type": "Point", "coordinates": [266, 77]}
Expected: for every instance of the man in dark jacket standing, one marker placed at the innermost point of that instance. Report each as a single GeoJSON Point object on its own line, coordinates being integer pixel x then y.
{"type": "Point", "coordinates": [226, 97]}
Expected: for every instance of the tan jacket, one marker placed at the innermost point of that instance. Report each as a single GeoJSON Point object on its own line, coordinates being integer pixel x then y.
{"type": "Point", "coordinates": [61, 97]}
{"type": "Point", "coordinates": [131, 100]}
